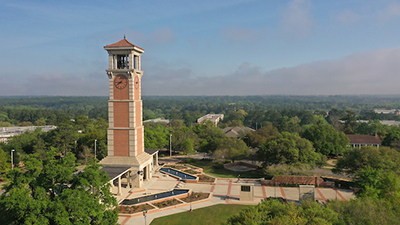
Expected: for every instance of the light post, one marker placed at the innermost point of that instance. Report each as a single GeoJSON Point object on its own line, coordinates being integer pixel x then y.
{"type": "Point", "coordinates": [144, 215]}
{"type": "Point", "coordinates": [12, 159]}
{"type": "Point", "coordinates": [95, 152]}
{"type": "Point", "coordinates": [170, 148]}
{"type": "Point", "coordinates": [337, 190]}
{"type": "Point", "coordinates": [190, 200]}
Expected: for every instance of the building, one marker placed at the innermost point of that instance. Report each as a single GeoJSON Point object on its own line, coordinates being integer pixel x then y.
{"type": "Point", "coordinates": [127, 160]}
{"type": "Point", "coordinates": [358, 140]}
{"type": "Point", "coordinates": [157, 120]}
{"type": "Point", "coordinates": [387, 111]}
{"type": "Point", "coordinates": [236, 132]}
{"type": "Point", "coordinates": [7, 132]}
{"type": "Point", "coordinates": [215, 118]}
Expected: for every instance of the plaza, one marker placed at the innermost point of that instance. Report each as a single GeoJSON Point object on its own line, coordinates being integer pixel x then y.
{"type": "Point", "coordinates": [223, 190]}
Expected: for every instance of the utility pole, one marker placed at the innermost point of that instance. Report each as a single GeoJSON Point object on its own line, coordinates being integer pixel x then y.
{"type": "Point", "coordinates": [170, 148]}
{"type": "Point", "coordinates": [95, 150]}
{"type": "Point", "coordinates": [12, 159]}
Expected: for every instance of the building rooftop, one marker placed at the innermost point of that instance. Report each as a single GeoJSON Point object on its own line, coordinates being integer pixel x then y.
{"type": "Point", "coordinates": [212, 117]}
{"type": "Point", "coordinates": [363, 139]}
{"type": "Point", "coordinates": [122, 43]}
{"type": "Point", "coordinates": [157, 120]}
{"type": "Point", "coordinates": [236, 131]}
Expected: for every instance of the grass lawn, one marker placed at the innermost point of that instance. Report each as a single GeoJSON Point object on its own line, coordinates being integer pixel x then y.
{"type": "Point", "coordinates": [216, 214]}
{"type": "Point", "coordinates": [223, 173]}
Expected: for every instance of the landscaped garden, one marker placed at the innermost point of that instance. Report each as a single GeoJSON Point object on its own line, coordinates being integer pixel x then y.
{"type": "Point", "coordinates": [218, 170]}
{"type": "Point", "coordinates": [134, 209]}
{"type": "Point", "coordinates": [206, 179]}
{"type": "Point", "coordinates": [167, 203]}
{"type": "Point", "coordinates": [196, 197]}
{"type": "Point", "coordinates": [190, 171]}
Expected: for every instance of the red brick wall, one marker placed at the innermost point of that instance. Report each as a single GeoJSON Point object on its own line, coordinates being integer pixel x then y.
{"type": "Point", "coordinates": [121, 142]}
{"type": "Point", "coordinates": [121, 114]}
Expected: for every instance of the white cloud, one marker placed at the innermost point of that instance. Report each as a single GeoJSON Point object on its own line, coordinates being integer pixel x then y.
{"type": "Point", "coordinates": [389, 12]}
{"type": "Point", "coordinates": [373, 72]}
{"type": "Point", "coordinates": [55, 84]}
{"type": "Point", "coordinates": [369, 72]}
{"type": "Point", "coordinates": [297, 19]}
{"type": "Point", "coordinates": [347, 17]}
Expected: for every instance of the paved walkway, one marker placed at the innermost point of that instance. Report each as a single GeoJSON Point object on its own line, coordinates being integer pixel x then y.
{"type": "Point", "coordinates": [225, 191]}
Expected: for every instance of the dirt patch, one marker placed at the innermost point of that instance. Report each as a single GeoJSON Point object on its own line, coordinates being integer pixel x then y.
{"type": "Point", "coordinates": [179, 167]}
{"type": "Point", "coordinates": [204, 178]}
{"type": "Point", "coordinates": [190, 171]}
{"type": "Point", "coordinates": [196, 197]}
{"type": "Point", "coordinates": [134, 209]}
{"type": "Point", "coordinates": [167, 203]}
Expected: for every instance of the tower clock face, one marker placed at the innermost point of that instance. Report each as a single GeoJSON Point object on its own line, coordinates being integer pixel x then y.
{"type": "Point", "coordinates": [120, 81]}
{"type": "Point", "coordinates": [136, 82]}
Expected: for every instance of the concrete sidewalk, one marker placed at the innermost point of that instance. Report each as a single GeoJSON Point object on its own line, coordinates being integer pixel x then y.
{"type": "Point", "coordinates": [225, 191]}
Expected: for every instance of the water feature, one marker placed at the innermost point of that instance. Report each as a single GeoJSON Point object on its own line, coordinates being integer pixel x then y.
{"type": "Point", "coordinates": [149, 198]}
{"type": "Point", "coordinates": [177, 173]}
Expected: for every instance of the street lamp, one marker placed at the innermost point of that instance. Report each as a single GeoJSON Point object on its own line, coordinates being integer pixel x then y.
{"type": "Point", "coordinates": [12, 159]}
{"type": "Point", "coordinates": [170, 148]}
{"type": "Point", "coordinates": [144, 215]}
{"type": "Point", "coordinates": [337, 191]}
{"type": "Point", "coordinates": [190, 200]}
{"type": "Point", "coordinates": [95, 153]}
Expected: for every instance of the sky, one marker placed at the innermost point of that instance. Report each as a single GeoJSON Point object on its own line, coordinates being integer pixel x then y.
{"type": "Point", "coordinates": [207, 47]}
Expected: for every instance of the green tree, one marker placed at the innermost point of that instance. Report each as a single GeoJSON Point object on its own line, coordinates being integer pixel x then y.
{"type": "Point", "coordinates": [47, 192]}
{"type": "Point", "coordinates": [289, 148]}
{"type": "Point", "coordinates": [179, 138]}
{"type": "Point", "coordinates": [64, 137]}
{"type": "Point", "coordinates": [276, 212]}
{"type": "Point", "coordinates": [3, 162]}
{"type": "Point", "coordinates": [358, 159]}
{"type": "Point", "coordinates": [326, 139]}
{"type": "Point", "coordinates": [350, 120]}
{"type": "Point", "coordinates": [392, 136]}
{"type": "Point", "coordinates": [260, 136]}
{"type": "Point", "coordinates": [231, 148]}
{"type": "Point", "coordinates": [188, 146]}
{"type": "Point", "coordinates": [290, 125]}
{"type": "Point", "coordinates": [211, 137]}
{"type": "Point", "coordinates": [40, 122]}
{"type": "Point", "coordinates": [361, 211]}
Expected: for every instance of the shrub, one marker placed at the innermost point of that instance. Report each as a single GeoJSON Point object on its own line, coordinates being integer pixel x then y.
{"type": "Point", "coordinates": [190, 160]}
{"type": "Point", "coordinates": [218, 165]}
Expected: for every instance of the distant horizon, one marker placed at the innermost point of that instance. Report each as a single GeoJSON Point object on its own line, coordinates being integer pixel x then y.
{"type": "Point", "coordinates": [266, 95]}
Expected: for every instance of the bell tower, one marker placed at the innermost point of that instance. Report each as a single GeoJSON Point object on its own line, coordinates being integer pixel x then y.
{"type": "Point", "coordinates": [125, 132]}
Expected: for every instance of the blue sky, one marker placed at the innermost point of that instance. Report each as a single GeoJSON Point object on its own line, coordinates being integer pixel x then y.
{"type": "Point", "coordinates": [225, 47]}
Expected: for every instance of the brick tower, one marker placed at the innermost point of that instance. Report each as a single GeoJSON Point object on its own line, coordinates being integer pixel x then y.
{"type": "Point", "coordinates": [125, 133]}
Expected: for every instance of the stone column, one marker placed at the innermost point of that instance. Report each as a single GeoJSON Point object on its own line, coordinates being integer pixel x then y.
{"type": "Point", "coordinates": [119, 186]}
{"type": "Point", "coordinates": [156, 159]}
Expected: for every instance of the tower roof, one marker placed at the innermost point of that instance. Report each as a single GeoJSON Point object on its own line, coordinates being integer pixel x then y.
{"type": "Point", "coordinates": [122, 44]}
